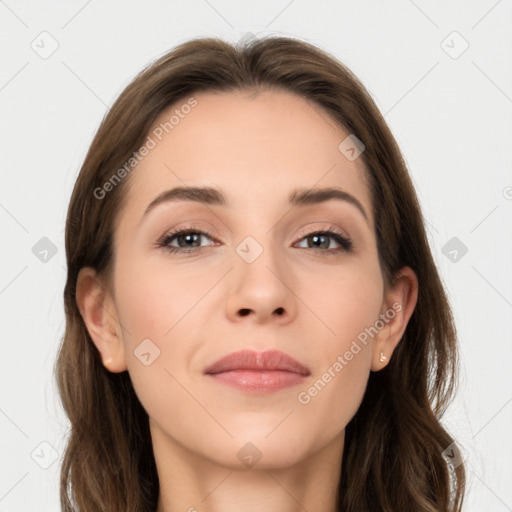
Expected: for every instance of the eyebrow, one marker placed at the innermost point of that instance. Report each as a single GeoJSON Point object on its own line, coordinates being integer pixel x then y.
{"type": "Point", "coordinates": [213, 196]}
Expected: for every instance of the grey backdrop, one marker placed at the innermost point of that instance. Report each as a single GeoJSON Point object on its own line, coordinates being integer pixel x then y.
{"type": "Point", "coordinates": [441, 72]}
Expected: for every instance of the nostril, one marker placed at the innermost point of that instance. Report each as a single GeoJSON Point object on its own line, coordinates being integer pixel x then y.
{"type": "Point", "coordinates": [247, 311]}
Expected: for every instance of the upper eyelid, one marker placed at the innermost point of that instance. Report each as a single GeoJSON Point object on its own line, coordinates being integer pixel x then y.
{"type": "Point", "coordinates": [206, 231]}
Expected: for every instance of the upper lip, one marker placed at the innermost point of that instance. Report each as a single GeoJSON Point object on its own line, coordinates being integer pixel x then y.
{"type": "Point", "coordinates": [269, 360]}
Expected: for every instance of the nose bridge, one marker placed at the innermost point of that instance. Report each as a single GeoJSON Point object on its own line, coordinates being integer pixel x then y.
{"type": "Point", "coordinates": [260, 278]}
{"type": "Point", "coordinates": [258, 261]}
{"type": "Point", "coordinates": [259, 244]}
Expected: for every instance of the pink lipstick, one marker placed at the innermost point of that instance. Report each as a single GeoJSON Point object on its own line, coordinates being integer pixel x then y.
{"type": "Point", "coordinates": [258, 372]}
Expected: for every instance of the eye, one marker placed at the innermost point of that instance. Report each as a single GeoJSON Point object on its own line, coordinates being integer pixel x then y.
{"type": "Point", "coordinates": [322, 241]}
{"type": "Point", "coordinates": [186, 240]}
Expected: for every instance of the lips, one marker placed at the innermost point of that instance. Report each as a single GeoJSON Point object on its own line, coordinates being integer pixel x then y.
{"type": "Point", "coordinates": [258, 373]}
{"type": "Point", "coordinates": [249, 360]}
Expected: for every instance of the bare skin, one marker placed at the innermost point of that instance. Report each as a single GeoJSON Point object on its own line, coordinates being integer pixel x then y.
{"type": "Point", "coordinates": [308, 297]}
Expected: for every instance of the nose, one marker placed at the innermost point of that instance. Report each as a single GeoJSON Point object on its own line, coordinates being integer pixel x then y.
{"type": "Point", "coordinates": [262, 290]}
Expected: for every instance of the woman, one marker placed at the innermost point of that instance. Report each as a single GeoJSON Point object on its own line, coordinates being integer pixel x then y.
{"type": "Point", "coordinates": [254, 319]}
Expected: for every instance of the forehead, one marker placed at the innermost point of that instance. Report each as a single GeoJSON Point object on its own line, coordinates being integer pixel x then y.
{"type": "Point", "coordinates": [256, 147]}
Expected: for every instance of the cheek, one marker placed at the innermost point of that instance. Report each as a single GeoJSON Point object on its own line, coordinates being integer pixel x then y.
{"type": "Point", "coordinates": [155, 298]}
{"type": "Point", "coordinates": [347, 300]}
{"type": "Point", "coordinates": [162, 304]}
{"type": "Point", "coordinates": [343, 352]}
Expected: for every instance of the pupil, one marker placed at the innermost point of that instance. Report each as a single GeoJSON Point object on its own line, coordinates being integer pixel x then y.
{"type": "Point", "coordinates": [318, 238]}
{"type": "Point", "coordinates": [190, 237]}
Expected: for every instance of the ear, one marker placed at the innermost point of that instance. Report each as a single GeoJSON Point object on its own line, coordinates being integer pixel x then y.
{"type": "Point", "coordinates": [98, 311]}
{"type": "Point", "coordinates": [398, 305]}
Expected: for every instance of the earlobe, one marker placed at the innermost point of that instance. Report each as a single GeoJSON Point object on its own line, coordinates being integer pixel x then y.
{"type": "Point", "coordinates": [398, 306]}
{"type": "Point", "coordinates": [99, 315]}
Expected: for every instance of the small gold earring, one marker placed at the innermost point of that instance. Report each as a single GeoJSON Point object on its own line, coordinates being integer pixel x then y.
{"type": "Point", "coordinates": [382, 357]}
{"type": "Point", "coordinates": [106, 362]}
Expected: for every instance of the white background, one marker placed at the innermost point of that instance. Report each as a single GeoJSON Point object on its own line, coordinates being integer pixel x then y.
{"type": "Point", "coordinates": [452, 118]}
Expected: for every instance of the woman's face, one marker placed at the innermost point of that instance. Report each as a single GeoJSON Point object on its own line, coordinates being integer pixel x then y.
{"type": "Point", "coordinates": [264, 275]}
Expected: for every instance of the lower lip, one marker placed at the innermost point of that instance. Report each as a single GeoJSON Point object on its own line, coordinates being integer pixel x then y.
{"type": "Point", "coordinates": [258, 381]}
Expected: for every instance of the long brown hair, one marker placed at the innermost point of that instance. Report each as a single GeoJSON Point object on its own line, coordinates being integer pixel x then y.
{"type": "Point", "coordinates": [393, 456]}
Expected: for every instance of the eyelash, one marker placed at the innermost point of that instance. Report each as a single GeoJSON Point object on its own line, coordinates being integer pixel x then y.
{"type": "Point", "coordinates": [344, 242]}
